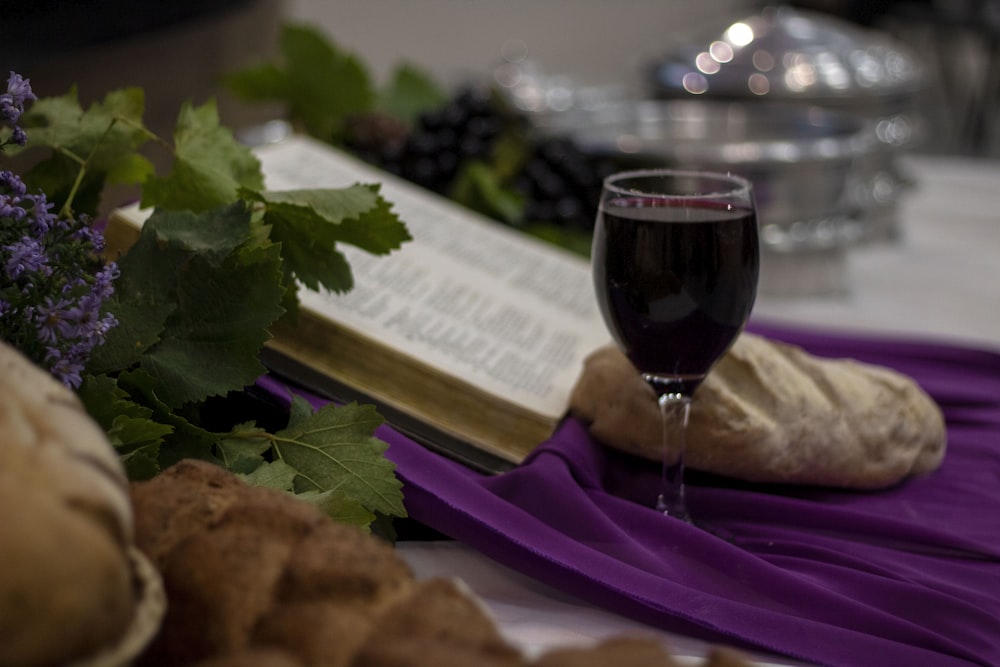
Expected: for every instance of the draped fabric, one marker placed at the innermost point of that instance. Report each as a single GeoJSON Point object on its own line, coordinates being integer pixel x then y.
{"type": "Point", "coordinates": [905, 576]}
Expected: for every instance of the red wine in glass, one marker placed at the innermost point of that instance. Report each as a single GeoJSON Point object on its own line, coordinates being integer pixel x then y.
{"type": "Point", "coordinates": [675, 263]}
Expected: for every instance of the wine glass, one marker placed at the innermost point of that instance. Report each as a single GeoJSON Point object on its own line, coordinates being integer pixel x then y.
{"type": "Point", "coordinates": [675, 264]}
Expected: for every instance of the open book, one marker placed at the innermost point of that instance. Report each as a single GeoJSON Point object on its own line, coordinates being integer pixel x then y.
{"type": "Point", "coordinates": [469, 338]}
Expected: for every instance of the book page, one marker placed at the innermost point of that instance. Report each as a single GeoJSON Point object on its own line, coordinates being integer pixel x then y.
{"type": "Point", "coordinates": [506, 312]}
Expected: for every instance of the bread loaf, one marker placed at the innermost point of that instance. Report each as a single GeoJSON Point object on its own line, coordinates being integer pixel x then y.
{"type": "Point", "coordinates": [771, 412]}
{"type": "Point", "coordinates": [70, 580]}
{"type": "Point", "coordinates": [324, 593]}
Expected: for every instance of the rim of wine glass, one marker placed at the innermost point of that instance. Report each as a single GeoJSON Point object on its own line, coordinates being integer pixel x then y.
{"type": "Point", "coordinates": [738, 183]}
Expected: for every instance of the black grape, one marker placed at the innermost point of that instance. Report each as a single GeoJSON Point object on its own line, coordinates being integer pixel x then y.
{"type": "Point", "coordinates": [558, 183]}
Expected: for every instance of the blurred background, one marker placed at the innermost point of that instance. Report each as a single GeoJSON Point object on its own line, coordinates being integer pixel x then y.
{"type": "Point", "coordinates": [817, 101]}
{"type": "Point", "coordinates": [177, 49]}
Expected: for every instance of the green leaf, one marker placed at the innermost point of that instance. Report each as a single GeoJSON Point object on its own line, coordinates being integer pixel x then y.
{"type": "Point", "coordinates": [140, 323]}
{"type": "Point", "coordinates": [61, 123]}
{"type": "Point", "coordinates": [143, 463]}
{"type": "Point", "coordinates": [187, 439]}
{"type": "Point", "coordinates": [130, 427]}
{"type": "Point", "coordinates": [130, 170]}
{"type": "Point", "coordinates": [357, 215]}
{"type": "Point", "coordinates": [478, 187]}
{"type": "Point", "coordinates": [274, 475]}
{"type": "Point", "coordinates": [409, 93]}
{"type": "Point", "coordinates": [211, 345]}
{"type": "Point", "coordinates": [576, 241]}
{"type": "Point", "coordinates": [334, 449]}
{"type": "Point", "coordinates": [106, 137]}
{"type": "Point", "coordinates": [310, 223]}
{"type": "Point", "coordinates": [196, 297]}
{"type": "Point", "coordinates": [146, 292]}
{"type": "Point", "coordinates": [260, 82]}
{"type": "Point", "coordinates": [321, 85]}
{"type": "Point", "coordinates": [242, 450]}
{"type": "Point", "coordinates": [209, 167]}
{"type": "Point", "coordinates": [339, 507]}
{"type": "Point", "coordinates": [214, 235]}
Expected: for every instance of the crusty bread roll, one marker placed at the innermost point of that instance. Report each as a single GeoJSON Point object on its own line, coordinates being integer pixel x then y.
{"type": "Point", "coordinates": [69, 586]}
{"type": "Point", "coordinates": [256, 576]}
{"type": "Point", "coordinates": [771, 412]}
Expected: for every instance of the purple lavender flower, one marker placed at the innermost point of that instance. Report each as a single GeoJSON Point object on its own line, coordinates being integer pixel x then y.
{"type": "Point", "coordinates": [54, 283]}
{"type": "Point", "coordinates": [18, 136]}
{"type": "Point", "coordinates": [12, 106]}
{"type": "Point", "coordinates": [53, 320]}
{"type": "Point", "coordinates": [19, 88]}
{"type": "Point", "coordinates": [67, 364]}
{"type": "Point", "coordinates": [26, 254]}
{"type": "Point", "coordinates": [11, 185]}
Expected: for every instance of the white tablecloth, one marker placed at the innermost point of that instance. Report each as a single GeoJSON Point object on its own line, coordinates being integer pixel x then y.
{"type": "Point", "coordinates": [939, 280]}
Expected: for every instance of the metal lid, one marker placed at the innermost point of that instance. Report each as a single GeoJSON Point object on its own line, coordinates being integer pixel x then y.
{"type": "Point", "coordinates": [788, 54]}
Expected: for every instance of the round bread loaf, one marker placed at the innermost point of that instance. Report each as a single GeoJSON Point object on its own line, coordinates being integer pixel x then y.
{"type": "Point", "coordinates": [69, 585]}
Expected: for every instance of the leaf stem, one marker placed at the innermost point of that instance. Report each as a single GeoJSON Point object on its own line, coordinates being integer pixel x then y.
{"type": "Point", "coordinates": [67, 208]}
{"type": "Point", "coordinates": [145, 130]}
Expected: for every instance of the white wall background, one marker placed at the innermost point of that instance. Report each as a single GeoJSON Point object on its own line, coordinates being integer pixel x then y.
{"type": "Point", "coordinates": [593, 41]}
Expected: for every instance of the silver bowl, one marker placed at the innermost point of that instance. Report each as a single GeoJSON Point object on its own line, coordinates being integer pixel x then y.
{"type": "Point", "coordinates": [800, 160]}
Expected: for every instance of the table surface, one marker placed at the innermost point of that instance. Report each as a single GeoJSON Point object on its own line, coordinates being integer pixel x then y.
{"type": "Point", "coordinates": [937, 281]}
{"type": "Point", "coordinates": [940, 279]}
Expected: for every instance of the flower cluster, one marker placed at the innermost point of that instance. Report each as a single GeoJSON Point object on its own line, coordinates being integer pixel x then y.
{"type": "Point", "coordinates": [53, 279]}
{"type": "Point", "coordinates": [12, 106]}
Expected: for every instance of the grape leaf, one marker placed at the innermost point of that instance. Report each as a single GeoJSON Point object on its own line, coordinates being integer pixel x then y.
{"type": "Point", "coordinates": [142, 463]}
{"type": "Point", "coordinates": [215, 235]}
{"type": "Point", "coordinates": [243, 449]}
{"type": "Point", "coordinates": [146, 289]}
{"type": "Point", "coordinates": [140, 323]}
{"type": "Point", "coordinates": [106, 136]}
{"type": "Point", "coordinates": [127, 423]}
{"type": "Point", "coordinates": [187, 439]}
{"type": "Point", "coordinates": [357, 215]}
{"type": "Point", "coordinates": [273, 475]}
{"type": "Point", "coordinates": [339, 507]}
{"type": "Point", "coordinates": [409, 93]}
{"type": "Point", "coordinates": [321, 85]}
{"type": "Point", "coordinates": [334, 449]}
{"type": "Point", "coordinates": [260, 82]}
{"type": "Point", "coordinates": [212, 344]}
{"type": "Point", "coordinates": [478, 187]}
{"type": "Point", "coordinates": [196, 296]}
{"type": "Point", "coordinates": [129, 426]}
{"type": "Point", "coordinates": [309, 223]}
{"type": "Point", "coordinates": [209, 167]}
{"type": "Point", "coordinates": [208, 276]}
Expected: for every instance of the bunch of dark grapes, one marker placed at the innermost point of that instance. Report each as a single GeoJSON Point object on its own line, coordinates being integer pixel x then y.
{"type": "Point", "coordinates": [561, 184]}
{"type": "Point", "coordinates": [558, 182]}
{"type": "Point", "coordinates": [432, 151]}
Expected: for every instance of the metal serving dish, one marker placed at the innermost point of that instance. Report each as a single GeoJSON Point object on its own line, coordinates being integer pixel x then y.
{"type": "Point", "coordinates": [801, 161]}
{"type": "Point", "coordinates": [793, 56]}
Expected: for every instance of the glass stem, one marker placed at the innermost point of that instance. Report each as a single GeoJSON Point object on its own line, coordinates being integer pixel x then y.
{"type": "Point", "coordinates": [675, 408]}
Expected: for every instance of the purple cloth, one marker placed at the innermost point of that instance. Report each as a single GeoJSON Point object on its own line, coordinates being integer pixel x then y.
{"type": "Point", "coordinates": [904, 576]}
